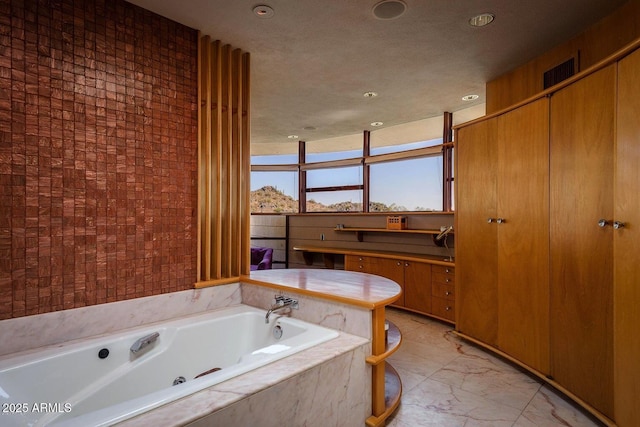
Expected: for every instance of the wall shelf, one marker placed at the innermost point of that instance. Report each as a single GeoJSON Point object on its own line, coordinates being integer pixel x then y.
{"type": "Point", "coordinates": [360, 231]}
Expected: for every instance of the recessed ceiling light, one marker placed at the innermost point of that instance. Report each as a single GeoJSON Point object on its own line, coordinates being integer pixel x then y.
{"type": "Point", "coordinates": [263, 11]}
{"type": "Point", "coordinates": [376, 124]}
{"type": "Point", "coordinates": [389, 9]}
{"type": "Point", "coordinates": [470, 97]}
{"type": "Point", "coordinates": [292, 136]}
{"type": "Point", "coordinates": [482, 20]}
{"type": "Point", "coordinates": [370, 94]}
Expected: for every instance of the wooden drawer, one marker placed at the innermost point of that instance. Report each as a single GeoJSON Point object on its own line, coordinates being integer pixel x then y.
{"type": "Point", "coordinates": [443, 269]}
{"type": "Point", "coordinates": [357, 263]}
{"type": "Point", "coordinates": [443, 308]}
{"type": "Point", "coordinates": [443, 290]}
{"type": "Point", "coordinates": [442, 274]}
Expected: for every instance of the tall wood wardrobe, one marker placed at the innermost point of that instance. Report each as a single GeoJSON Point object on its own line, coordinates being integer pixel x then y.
{"type": "Point", "coordinates": [548, 236]}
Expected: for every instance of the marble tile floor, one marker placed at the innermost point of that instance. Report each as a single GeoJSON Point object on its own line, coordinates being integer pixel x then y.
{"type": "Point", "coordinates": [448, 382]}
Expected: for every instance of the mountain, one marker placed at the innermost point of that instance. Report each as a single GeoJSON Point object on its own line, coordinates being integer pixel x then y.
{"type": "Point", "coordinates": [269, 199]}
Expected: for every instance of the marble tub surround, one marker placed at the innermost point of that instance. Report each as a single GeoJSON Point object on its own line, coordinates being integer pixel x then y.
{"type": "Point", "coordinates": [33, 332]}
{"type": "Point", "coordinates": [448, 382]}
{"type": "Point", "coordinates": [342, 317]}
{"type": "Point", "coordinates": [362, 290]}
{"type": "Point", "coordinates": [326, 385]}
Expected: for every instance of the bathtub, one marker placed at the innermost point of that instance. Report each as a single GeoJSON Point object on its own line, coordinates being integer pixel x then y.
{"type": "Point", "coordinates": [100, 381]}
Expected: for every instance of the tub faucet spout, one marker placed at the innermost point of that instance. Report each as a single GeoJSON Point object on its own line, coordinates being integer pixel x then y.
{"type": "Point", "coordinates": [144, 342]}
{"type": "Point", "coordinates": [281, 302]}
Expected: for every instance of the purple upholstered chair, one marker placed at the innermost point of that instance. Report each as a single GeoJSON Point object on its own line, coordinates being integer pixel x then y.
{"type": "Point", "coordinates": [261, 258]}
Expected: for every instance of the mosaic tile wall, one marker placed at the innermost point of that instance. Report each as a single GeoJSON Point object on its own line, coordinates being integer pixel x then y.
{"type": "Point", "coordinates": [98, 154]}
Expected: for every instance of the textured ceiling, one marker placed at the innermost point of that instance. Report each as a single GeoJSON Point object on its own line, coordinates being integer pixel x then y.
{"type": "Point", "coordinates": [313, 60]}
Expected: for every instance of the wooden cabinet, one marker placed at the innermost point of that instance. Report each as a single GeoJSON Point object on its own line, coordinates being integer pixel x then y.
{"type": "Point", "coordinates": [502, 232]}
{"type": "Point", "coordinates": [582, 161]}
{"type": "Point", "coordinates": [626, 246]}
{"type": "Point", "coordinates": [415, 279]}
{"type": "Point", "coordinates": [443, 292]}
{"type": "Point", "coordinates": [574, 274]}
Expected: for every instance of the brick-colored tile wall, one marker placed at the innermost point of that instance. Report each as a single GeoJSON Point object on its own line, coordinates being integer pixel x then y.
{"type": "Point", "coordinates": [98, 154]}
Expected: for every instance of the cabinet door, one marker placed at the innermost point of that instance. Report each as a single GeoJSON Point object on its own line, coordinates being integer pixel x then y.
{"type": "Point", "coordinates": [582, 136]}
{"type": "Point", "coordinates": [523, 234]}
{"type": "Point", "coordinates": [391, 269]}
{"type": "Point", "coordinates": [627, 245]}
{"type": "Point", "coordinates": [417, 286]}
{"type": "Point", "coordinates": [476, 239]}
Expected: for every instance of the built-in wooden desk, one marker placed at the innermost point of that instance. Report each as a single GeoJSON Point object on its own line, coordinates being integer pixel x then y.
{"type": "Point", "coordinates": [362, 290]}
{"type": "Point", "coordinates": [329, 262]}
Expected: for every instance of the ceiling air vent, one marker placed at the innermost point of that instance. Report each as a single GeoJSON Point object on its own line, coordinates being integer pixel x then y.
{"type": "Point", "coordinates": [560, 72]}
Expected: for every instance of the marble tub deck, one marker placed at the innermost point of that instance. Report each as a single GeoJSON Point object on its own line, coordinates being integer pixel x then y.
{"type": "Point", "coordinates": [448, 382]}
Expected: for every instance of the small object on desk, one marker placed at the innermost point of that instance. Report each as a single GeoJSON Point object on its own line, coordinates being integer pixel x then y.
{"type": "Point", "coordinates": [397, 222]}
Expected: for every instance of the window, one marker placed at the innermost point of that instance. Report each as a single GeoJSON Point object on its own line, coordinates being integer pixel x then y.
{"type": "Point", "coordinates": [274, 184]}
{"type": "Point", "coordinates": [405, 147]}
{"type": "Point", "coordinates": [280, 159]}
{"type": "Point", "coordinates": [334, 189]}
{"type": "Point", "coordinates": [402, 177]}
{"type": "Point", "coordinates": [333, 155]}
{"type": "Point", "coordinates": [334, 177]}
{"type": "Point", "coordinates": [335, 201]}
{"type": "Point", "coordinates": [406, 185]}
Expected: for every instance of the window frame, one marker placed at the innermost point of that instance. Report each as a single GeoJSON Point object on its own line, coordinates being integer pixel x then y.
{"type": "Point", "coordinates": [445, 150]}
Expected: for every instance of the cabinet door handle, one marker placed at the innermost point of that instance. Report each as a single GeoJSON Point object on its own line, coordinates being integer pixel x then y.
{"type": "Point", "coordinates": [398, 263]}
{"type": "Point", "coordinates": [406, 264]}
{"type": "Point", "coordinates": [501, 220]}
{"type": "Point", "coordinates": [602, 223]}
{"type": "Point", "coordinates": [617, 225]}
{"type": "Point", "coordinates": [447, 293]}
{"type": "Point", "coordinates": [490, 220]}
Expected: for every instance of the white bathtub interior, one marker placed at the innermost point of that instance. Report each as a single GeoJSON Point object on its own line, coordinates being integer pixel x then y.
{"type": "Point", "coordinates": [90, 390]}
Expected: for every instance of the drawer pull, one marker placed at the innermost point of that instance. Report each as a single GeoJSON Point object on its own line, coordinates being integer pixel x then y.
{"type": "Point", "coordinates": [447, 280]}
{"type": "Point", "coordinates": [447, 308]}
{"type": "Point", "coordinates": [446, 270]}
{"type": "Point", "coordinates": [447, 293]}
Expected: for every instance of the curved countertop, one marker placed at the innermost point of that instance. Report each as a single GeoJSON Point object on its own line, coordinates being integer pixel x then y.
{"type": "Point", "coordinates": [359, 289]}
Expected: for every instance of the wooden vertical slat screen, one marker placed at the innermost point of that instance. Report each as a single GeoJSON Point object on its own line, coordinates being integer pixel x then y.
{"type": "Point", "coordinates": [224, 168]}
